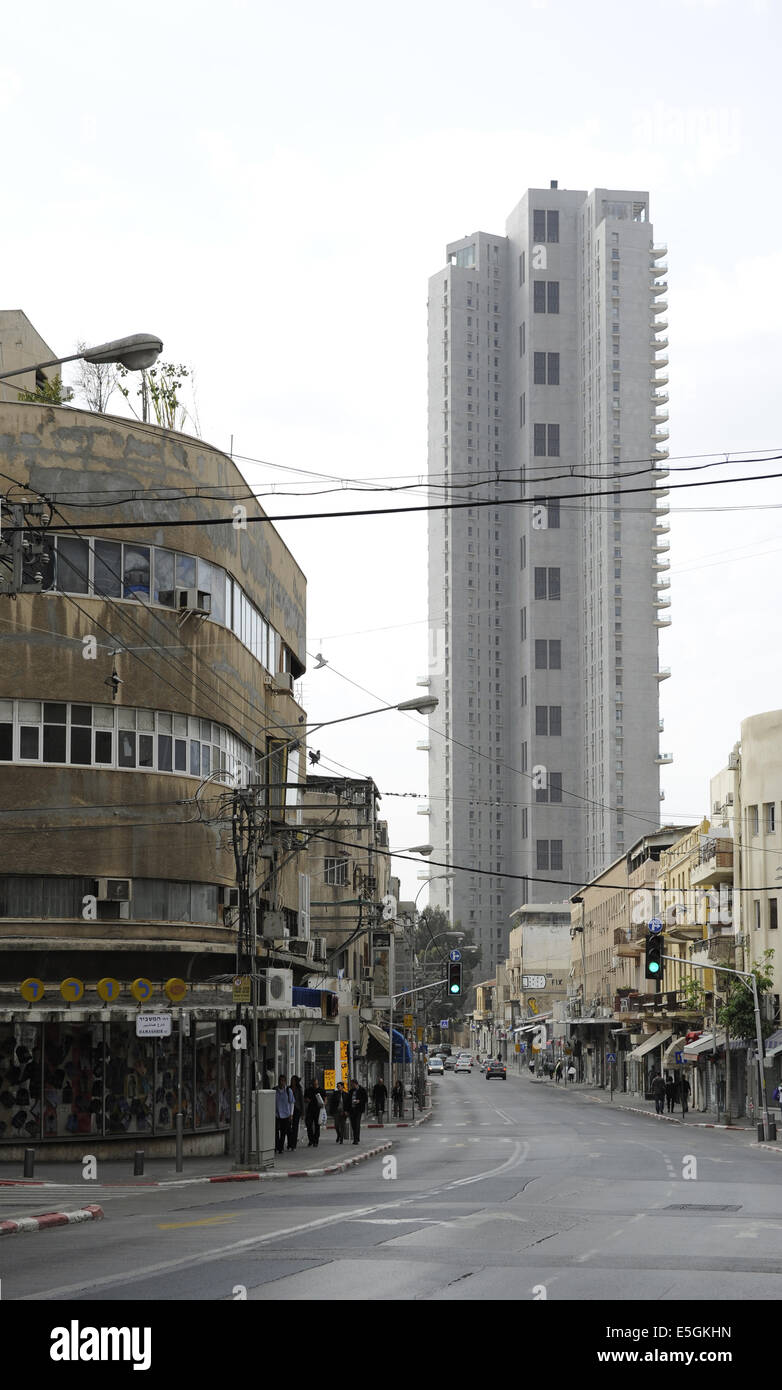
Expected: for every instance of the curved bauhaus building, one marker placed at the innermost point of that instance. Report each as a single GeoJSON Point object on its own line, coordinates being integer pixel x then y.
{"type": "Point", "coordinates": [151, 676]}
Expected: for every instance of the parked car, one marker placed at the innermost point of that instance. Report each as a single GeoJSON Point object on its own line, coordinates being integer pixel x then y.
{"type": "Point", "coordinates": [495, 1069]}
{"type": "Point", "coordinates": [435, 1067]}
{"type": "Point", "coordinates": [463, 1064]}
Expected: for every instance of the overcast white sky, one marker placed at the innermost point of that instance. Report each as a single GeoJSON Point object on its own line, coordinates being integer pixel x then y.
{"type": "Point", "coordinates": [269, 187]}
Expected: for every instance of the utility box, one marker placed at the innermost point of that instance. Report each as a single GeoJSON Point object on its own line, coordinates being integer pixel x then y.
{"type": "Point", "coordinates": [265, 1102]}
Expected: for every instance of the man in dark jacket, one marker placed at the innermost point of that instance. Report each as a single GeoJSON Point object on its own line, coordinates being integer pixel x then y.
{"type": "Point", "coordinates": [357, 1104]}
{"type": "Point", "coordinates": [379, 1098]}
{"type": "Point", "coordinates": [657, 1089]}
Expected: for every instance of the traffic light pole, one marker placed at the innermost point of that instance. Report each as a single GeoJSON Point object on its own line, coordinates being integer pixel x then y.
{"type": "Point", "coordinates": [749, 978]}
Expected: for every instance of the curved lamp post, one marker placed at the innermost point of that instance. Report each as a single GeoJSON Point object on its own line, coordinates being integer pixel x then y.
{"type": "Point", "coordinates": [139, 351]}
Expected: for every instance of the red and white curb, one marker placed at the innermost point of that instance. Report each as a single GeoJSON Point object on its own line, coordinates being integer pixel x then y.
{"type": "Point", "coordinates": [50, 1219]}
{"type": "Point", "coordinates": [131, 1186]}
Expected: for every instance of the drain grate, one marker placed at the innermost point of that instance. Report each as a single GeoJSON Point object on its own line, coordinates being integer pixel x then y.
{"type": "Point", "coordinates": [691, 1206]}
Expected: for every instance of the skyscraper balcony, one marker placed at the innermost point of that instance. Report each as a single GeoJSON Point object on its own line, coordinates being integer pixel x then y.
{"type": "Point", "coordinates": [663, 674]}
{"type": "Point", "coordinates": [658, 251]}
{"type": "Point", "coordinates": [663, 758]}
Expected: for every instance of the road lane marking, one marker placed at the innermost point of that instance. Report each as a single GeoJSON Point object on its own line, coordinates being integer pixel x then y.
{"type": "Point", "coordinates": [251, 1242]}
{"type": "Point", "coordinates": [206, 1221]}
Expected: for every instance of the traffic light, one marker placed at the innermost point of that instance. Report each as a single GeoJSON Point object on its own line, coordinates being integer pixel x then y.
{"type": "Point", "coordinates": [454, 977]}
{"type": "Point", "coordinates": [654, 956]}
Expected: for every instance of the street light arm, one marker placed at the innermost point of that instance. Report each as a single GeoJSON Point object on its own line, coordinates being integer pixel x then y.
{"type": "Point", "coordinates": [136, 352]}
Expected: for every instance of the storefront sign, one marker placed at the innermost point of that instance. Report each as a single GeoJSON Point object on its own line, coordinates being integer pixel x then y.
{"type": "Point", "coordinates": [329, 1081]}
{"type": "Point", "coordinates": [176, 989]}
{"type": "Point", "coordinates": [108, 989]}
{"type": "Point", "coordinates": [408, 1020]}
{"type": "Point", "coordinates": [72, 989]}
{"type": "Point", "coordinates": [241, 989]}
{"type": "Point", "coordinates": [32, 990]}
{"type": "Point", "coordinates": [153, 1025]}
{"type": "Point", "coordinates": [533, 982]}
{"type": "Point", "coordinates": [141, 989]}
{"type": "Point", "coordinates": [343, 1063]}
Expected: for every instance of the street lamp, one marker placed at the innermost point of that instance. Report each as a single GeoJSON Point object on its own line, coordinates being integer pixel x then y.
{"type": "Point", "coordinates": [139, 351]}
{"type": "Point", "coordinates": [422, 704]}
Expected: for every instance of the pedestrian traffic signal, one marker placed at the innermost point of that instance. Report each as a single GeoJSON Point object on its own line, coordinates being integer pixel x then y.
{"type": "Point", "coordinates": [454, 977]}
{"type": "Point", "coordinates": [654, 956]}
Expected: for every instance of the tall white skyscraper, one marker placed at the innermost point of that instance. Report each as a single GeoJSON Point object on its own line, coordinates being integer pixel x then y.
{"type": "Point", "coordinates": [546, 382]}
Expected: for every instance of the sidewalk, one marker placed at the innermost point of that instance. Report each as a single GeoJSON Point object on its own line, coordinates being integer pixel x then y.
{"type": "Point", "coordinates": [327, 1157]}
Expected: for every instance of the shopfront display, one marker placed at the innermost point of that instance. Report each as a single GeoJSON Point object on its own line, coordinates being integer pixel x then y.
{"type": "Point", "coordinates": [65, 1080]}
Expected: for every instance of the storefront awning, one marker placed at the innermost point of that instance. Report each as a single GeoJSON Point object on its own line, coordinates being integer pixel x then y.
{"type": "Point", "coordinates": [649, 1044]}
{"type": "Point", "coordinates": [705, 1043]}
{"type": "Point", "coordinates": [374, 1044]}
{"type": "Point", "coordinates": [532, 1024]}
{"type": "Point", "coordinates": [676, 1046]}
{"type": "Point", "coordinates": [773, 1045]}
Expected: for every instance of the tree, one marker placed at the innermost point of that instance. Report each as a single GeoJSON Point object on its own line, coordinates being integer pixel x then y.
{"type": "Point", "coordinates": [737, 1014]}
{"type": "Point", "coordinates": [160, 389]}
{"type": "Point", "coordinates": [96, 382]}
{"type": "Point", "coordinates": [48, 393]}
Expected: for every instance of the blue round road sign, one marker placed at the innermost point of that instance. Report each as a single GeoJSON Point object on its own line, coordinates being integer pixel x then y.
{"type": "Point", "coordinates": [454, 955]}
{"type": "Point", "coordinates": [655, 926]}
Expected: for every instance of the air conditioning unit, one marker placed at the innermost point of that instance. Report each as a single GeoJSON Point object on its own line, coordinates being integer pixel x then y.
{"type": "Point", "coordinates": [228, 897]}
{"type": "Point", "coordinates": [274, 928]}
{"type": "Point", "coordinates": [193, 601]}
{"type": "Point", "coordinates": [300, 946]}
{"type": "Point", "coordinates": [318, 948]}
{"type": "Point", "coordinates": [729, 799]}
{"type": "Point", "coordinates": [366, 972]}
{"type": "Point", "coordinates": [282, 681]}
{"type": "Point", "coordinates": [733, 761]}
{"type": "Point", "coordinates": [114, 890]}
{"type": "Point", "coordinates": [277, 990]}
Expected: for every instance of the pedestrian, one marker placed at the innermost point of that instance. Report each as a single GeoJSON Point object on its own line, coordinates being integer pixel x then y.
{"type": "Point", "coordinates": [339, 1111]}
{"type": "Point", "coordinates": [685, 1095]}
{"type": "Point", "coordinates": [283, 1109]}
{"type": "Point", "coordinates": [398, 1097]}
{"type": "Point", "coordinates": [357, 1103]}
{"type": "Point", "coordinates": [298, 1111]}
{"type": "Point", "coordinates": [558, 1072]}
{"type": "Point", "coordinates": [670, 1092]}
{"type": "Point", "coordinates": [531, 1064]}
{"type": "Point", "coordinates": [379, 1098]}
{"type": "Point", "coordinates": [657, 1089]}
{"type": "Point", "coordinates": [313, 1104]}
{"type": "Point", "coordinates": [571, 1073]}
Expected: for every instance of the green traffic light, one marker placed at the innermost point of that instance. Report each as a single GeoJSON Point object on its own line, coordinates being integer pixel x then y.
{"type": "Point", "coordinates": [654, 967]}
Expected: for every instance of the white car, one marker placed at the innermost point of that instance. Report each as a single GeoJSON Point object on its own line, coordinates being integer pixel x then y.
{"type": "Point", "coordinates": [435, 1067]}
{"type": "Point", "coordinates": [463, 1064]}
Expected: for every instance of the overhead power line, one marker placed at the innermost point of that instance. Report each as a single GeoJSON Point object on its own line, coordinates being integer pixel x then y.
{"type": "Point", "coordinates": [425, 507]}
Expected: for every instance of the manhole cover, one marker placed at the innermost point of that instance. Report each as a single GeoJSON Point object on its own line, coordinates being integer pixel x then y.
{"type": "Point", "coordinates": [691, 1206]}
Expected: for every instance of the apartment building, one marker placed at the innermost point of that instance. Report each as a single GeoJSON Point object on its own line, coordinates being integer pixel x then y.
{"type": "Point", "coordinates": [545, 385]}
{"type": "Point", "coordinates": [147, 682]}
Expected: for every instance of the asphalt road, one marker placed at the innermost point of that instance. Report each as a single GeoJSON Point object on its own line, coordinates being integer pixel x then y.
{"type": "Point", "coordinates": [512, 1191]}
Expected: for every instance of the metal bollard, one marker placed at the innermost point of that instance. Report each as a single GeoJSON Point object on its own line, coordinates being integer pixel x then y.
{"type": "Point", "coordinates": [180, 1127]}
{"type": "Point", "coordinates": [29, 1163]}
{"type": "Point", "coordinates": [138, 1163]}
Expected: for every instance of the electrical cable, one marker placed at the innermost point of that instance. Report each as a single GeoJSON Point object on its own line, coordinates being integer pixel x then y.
{"type": "Point", "coordinates": [427, 507]}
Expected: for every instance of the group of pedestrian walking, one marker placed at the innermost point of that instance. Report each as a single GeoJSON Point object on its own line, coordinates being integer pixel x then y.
{"type": "Point", "coordinates": [670, 1090]}
{"type": "Point", "coordinates": [347, 1104]}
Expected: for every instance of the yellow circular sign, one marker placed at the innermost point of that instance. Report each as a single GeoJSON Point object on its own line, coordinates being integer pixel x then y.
{"type": "Point", "coordinates": [72, 989]}
{"type": "Point", "coordinates": [141, 989]}
{"type": "Point", "coordinates": [108, 989]}
{"type": "Point", "coordinates": [32, 990]}
{"type": "Point", "coordinates": [176, 989]}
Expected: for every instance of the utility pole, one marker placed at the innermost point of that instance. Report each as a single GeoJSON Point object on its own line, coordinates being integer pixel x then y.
{"type": "Point", "coordinates": [24, 556]}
